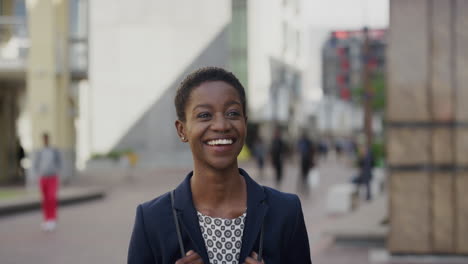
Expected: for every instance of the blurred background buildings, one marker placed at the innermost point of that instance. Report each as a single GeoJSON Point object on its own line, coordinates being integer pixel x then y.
{"type": "Point", "coordinates": [138, 52]}
{"type": "Point", "coordinates": [342, 81]}
{"type": "Point", "coordinates": [43, 58]}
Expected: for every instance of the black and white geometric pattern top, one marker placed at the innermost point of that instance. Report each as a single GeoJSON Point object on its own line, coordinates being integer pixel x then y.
{"type": "Point", "coordinates": [223, 238]}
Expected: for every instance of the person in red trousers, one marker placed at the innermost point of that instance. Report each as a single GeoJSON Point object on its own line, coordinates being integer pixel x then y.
{"type": "Point", "coordinates": [47, 165]}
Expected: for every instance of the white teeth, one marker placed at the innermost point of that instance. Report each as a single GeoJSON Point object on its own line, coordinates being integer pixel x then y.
{"type": "Point", "coordinates": [220, 142]}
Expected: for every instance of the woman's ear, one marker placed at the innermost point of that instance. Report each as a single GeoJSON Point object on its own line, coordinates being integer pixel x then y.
{"type": "Point", "coordinates": [180, 127]}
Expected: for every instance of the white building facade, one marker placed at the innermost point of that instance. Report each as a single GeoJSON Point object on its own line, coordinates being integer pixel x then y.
{"type": "Point", "coordinates": [139, 52]}
{"type": "Point", "coordinates": [276, 63]}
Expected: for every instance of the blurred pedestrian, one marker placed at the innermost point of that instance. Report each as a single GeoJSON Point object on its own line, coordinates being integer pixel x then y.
{"type": "Point", "coordinates": [47, 165]}
{"type": "Point", "coordinates": [218, 214]}
{"type": "Point", "coordinates": [278, 150]}
{"type": "Point", "coordinates": [20, 155]}
{"type": "Point", "coordinates": [307, 153]}
{"type": "Point", "coordinates": [353, 147]}
{"type": "Point", "coordinates": [259, 154]}
{"type": "Point", "coordinates": [365, 163]}
{"type": "Point", "coordinates": [131, 159]}
{"type": "Point", "coordinates": [338, 148]}
{"type": "Point", "coordinates": [323, 149]}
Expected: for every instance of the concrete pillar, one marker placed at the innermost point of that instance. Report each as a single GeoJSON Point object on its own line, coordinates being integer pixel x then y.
{"type": "Point", "coordinates": [461, 133]}
{"type": "Point", "coordinates": [5, 107]}
{"type": "Point", "coordinates": [427, 117]}
{"type": "Point", "coordinates": [48, 79]}
{"type": "Point", "coordinates": [8, 133]}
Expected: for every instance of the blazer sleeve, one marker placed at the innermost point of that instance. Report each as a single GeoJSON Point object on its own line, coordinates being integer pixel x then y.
{"type": "Point", "coordinates": [299, 250]}
{"type": "Point", "coordinates": [139, 250]}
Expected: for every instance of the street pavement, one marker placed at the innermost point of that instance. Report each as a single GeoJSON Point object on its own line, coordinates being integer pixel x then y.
{"type": "Point", "coordinates": [93, 232]}
{"type": "Point", "coordinates": [99, 231]}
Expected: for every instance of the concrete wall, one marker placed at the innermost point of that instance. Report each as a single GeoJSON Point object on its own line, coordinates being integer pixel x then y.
{"type": "Point", "coordinates": [139, 52]}
{"type": "Point", "coordinates": [427, 117]}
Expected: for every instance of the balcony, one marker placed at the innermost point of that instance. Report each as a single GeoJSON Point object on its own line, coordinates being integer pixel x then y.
{"type": "Point", "coordinates": [78, 57]}
{"type": "Point", "coordinates": [14, 46]}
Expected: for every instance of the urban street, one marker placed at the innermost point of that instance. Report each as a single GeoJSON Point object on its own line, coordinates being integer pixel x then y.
{"type": "Point", "coordinates": [99, 231]}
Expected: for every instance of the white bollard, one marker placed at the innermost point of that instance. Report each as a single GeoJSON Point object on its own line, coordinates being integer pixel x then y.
{"type": "Point", "coordinates": [378, 181]}
{"type": "Point", "coordinates": [339, 198]}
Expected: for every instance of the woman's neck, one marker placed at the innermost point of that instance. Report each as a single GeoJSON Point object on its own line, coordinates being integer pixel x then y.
{"type": "Point", "coordinates": [219, 193]}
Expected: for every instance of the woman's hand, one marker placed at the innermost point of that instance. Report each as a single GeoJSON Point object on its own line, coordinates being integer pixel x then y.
{"type": "Point", "coordinates": [191, 257]}
{"type": "Point", "coordinates": [253, 259]}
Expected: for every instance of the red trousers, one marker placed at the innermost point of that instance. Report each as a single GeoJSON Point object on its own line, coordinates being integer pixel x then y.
{"type": "Point", "coordinates": [49, 197]}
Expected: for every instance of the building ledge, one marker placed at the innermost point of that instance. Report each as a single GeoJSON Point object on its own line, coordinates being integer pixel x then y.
{"type": "Point", "coordinates": [12, 69]}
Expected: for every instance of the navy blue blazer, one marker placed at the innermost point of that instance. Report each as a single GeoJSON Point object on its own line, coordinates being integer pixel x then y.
{"type": "Point", "coordinates": [154, 237]}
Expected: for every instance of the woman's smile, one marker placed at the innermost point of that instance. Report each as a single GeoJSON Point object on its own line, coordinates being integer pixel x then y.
{"type": "Point", "coordinates": [221, 145]}
{"type": "Point", "coordinates": [220, 142]}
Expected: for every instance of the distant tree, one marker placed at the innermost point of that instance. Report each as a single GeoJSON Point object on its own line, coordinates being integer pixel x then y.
{"type": "Point", "coordinates": [378, 95]}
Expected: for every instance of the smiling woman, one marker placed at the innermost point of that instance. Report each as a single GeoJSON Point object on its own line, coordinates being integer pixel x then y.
{"type": "Point", "coordinates": [215, 126]}
{"type": "Point", "coordinates": [218, 214]}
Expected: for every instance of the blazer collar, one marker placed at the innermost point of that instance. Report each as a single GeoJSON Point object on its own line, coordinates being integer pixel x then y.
{"type": "Point", "coordinates": [187, 214]}
{"type": "Point", "coordinates": [256, 211]}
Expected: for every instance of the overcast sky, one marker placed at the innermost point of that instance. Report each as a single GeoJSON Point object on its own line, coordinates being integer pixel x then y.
{"type": "Point", "coordinates": [346, 14]}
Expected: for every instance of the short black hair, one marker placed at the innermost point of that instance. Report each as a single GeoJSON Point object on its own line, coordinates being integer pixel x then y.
{"type": "Point", "coordinates": [205, 74]}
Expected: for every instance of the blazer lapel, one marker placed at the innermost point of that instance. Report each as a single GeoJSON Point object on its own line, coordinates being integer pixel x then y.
{"type": "Point", "coordinates": [188, 217]}
{"type": "Point", "coordinates": [256, 211]}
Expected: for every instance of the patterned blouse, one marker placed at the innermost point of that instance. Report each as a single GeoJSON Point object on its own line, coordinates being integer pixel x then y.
{"type": "Point", "coordinates": [223, 238]}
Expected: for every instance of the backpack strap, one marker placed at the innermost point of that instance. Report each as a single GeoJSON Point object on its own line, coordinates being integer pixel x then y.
{"type": "Point", "coordinates": [262, 232]}
{"type": "Point", "coordinates": [176, 220]}
{"type": "Point", "coordinates": [260, 248]}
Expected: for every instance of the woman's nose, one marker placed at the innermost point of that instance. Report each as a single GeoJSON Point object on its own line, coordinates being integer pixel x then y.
{"type": "Point", "coordinates": [220, 124]}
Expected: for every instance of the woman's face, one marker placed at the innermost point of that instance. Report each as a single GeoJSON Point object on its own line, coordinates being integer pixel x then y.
{"type": "Point", "coordinates": [215, 125]}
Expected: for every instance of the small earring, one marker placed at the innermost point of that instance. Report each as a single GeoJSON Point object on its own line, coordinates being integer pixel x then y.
{"type": "Point", "coordinates": [183, 138]}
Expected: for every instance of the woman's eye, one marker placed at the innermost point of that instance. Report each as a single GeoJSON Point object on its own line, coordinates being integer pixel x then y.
{"type": "Point", "coordinates": [203, 115]}
{"type": "Point", "coordinates": [233, 113]}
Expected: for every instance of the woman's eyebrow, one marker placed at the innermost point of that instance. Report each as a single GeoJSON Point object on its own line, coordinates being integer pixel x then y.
{"type": "Point", "coordinates": [202, 106]}
{"type": "Point", "coordinates": [210, 106]}
{"type": "Point", "coordinates": [232, 102]}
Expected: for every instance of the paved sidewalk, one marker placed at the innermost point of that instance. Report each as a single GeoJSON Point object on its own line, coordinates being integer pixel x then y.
{"type": "Point", "coordinates": [26, 200]}
{"type": "Point", "coordinates": [86, 186]}
{"type": "Point", "coordinates": [364, 225]}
